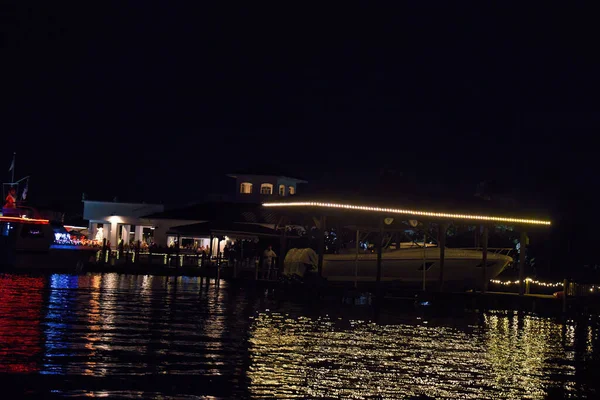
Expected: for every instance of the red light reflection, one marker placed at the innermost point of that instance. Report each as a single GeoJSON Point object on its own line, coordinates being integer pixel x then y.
{"type": "Point", "coordinates": [21, 302]}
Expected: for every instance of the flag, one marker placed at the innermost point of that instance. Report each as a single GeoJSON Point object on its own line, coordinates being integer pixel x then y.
{"type": "Point", "coordinates": [24, 195]}
{"type": "Point", "coordinates": [12, 165]}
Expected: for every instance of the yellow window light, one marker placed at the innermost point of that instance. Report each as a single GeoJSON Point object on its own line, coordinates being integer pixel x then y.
{"type": "Point", "coordinates": [409, 212]}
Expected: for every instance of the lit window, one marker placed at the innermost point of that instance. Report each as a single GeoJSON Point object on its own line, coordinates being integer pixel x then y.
{"type": "Point", "coordinates": [292, 190]}
{"type": "Point", "coordinates": [246, 188]}
{"type": "Point", "coordinates": [266, 188]}
{"type": "Point", "coordinates": [282, 190]}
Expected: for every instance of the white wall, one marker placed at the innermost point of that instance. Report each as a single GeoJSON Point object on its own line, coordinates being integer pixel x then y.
{"type": "Point", "coordinates": [122, 213]}
{"type": "Point", "coordinates": [111, 214]}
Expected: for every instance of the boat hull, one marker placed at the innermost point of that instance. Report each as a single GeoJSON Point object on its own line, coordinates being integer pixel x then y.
{"type": "Point", "coordinates": [462, 268]}
{"type": "Point", "coordinates": [54, 259]}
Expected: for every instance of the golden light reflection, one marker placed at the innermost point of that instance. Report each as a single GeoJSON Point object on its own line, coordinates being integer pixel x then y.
{"type": "Point", "coordinates": [510, 356]}
{"type": "Point", "coordinates": [146, 283]}
{"type": "Point", "coordinates": [93, 320]}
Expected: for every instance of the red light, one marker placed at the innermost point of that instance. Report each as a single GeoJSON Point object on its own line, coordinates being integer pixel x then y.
{"type": "Point", "coordinates": [25, 220]}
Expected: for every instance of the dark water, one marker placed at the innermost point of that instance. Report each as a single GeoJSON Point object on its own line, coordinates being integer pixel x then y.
{"type": "Point", "coordinates": [120, 336]}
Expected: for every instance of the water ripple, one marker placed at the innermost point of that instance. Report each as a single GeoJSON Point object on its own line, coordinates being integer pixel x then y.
{"type": "Point", "coordinates": [126, 336]}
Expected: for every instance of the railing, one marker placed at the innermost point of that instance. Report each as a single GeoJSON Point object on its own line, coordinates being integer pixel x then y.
{"type": "Point", "coordinates": [505, 251]}
{"type": "Point", "coordinates": [251, 266]}
{"type": "Point", "coordinates": [538, 286]}
{"type": "Point", "coordinates": [568, 287]}
{"type": "Point", "coordinates": [575, 289]}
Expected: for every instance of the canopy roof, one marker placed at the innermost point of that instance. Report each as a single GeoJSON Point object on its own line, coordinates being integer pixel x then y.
{"type": "Point", "coordinates": [220, 211]}
{"type": "Point", "coordinates": [234, 229]}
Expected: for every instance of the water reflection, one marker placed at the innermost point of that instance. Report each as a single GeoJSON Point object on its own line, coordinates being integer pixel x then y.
{"type": "Point", "coordinates": [110, 335]}
{"type": "Point", "coordinates": [21, 302]}
{"type": "Point", "coordinates": [184, 334]}
{"type": "Point", "coordinates": [59, 315]}
{"type": "Point", "coordinates": [510, 356]}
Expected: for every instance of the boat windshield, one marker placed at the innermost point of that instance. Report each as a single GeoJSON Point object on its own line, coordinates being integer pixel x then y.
{"type": "Point", "coordinates": [61, 235]}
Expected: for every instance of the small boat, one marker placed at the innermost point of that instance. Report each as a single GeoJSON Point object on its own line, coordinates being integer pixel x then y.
{"type": "Point", "coordinates": [404, 265]}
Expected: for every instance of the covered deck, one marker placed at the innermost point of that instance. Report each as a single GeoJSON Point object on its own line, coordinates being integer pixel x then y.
{"type": "Point", "coordinates": [214, 236]}
{"type": "Point", "coordinates": [207, 246]}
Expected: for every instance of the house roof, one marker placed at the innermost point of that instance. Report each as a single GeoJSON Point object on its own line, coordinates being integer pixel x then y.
{"type": "Point", "coordinates": [140, 203]}
{"type": "Point", "coordinates": [268, 176]}
{"type": "Point", "coordinates": [221, 211]}
{"type": "Point", "coordinates": [269, 169]}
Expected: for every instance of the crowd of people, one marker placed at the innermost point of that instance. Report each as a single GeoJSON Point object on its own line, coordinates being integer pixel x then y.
{"type": "Point", "coordinates": [245, 251]}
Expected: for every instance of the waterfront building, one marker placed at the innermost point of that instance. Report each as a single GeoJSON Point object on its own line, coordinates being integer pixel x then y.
{"type": "Point", "coordinates": [239, 212]}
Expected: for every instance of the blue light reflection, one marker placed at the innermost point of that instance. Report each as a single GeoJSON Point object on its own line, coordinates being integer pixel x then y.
{"type": "Point", "coordinates": [58, 321]}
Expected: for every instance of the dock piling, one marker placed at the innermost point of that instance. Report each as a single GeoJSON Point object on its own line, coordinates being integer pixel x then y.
{"type": "Point", "coordinates": [484, 240]}
{"type": "Point", "coordinates": [321, 244]}
{"type": "Point", "coordinates": [379, 253]}
{"type": "Point", "coordinates": [443, 229]}
{"type": "Point", "coordinates": [522, 255]}
{"type": "Point", "coordinates": [565, 294]}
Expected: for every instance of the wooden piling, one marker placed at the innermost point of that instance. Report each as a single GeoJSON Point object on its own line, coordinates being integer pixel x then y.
{"type": "Point", "coordinates": [484, 243]}
{"type": "Point", "coordinates": [321, 244]}
{"type": "Point", "coordinates": [282, 250]}
{"type": "Point", "coordinates": [103, 254]}
{"type": "Point", "coordinates": [211, 249]}
{"type": "Point", "coordinates": [424, 265]}
{"type": "Point", "coordinates": [379, 257]}
{"type": "Point", "coordinates": [218, 274]}
{"type": "Point", "coordinates": [177, 252]}
{"type": "Point", "coordinates": [565, 294]}
{"type": "Point", "coordinates": [443, 228]}
{"type": "Point", "coordinates": [522, 255]}
{"type": "Point", "coordinates": [138, 244]}
{"type": "Point", "coordinates": [356, 259]}
{"type": "Point", "coordinates": [256, 267]}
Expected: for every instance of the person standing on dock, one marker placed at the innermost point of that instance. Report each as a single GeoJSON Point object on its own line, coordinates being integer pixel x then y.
{"type": "Point", "coordinates": [268, 257]}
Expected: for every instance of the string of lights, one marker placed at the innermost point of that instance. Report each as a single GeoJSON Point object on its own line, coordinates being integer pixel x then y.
{"type": "Point", "coordinates": [409, 212]}
{"type": "Point", "coordinates": [586, 287]}
{"type": "Point", "coordinates": [528, 280]}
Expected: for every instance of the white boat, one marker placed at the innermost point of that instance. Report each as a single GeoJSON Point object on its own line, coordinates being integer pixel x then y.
{"type": "Point", "coordinates": [462, 267]}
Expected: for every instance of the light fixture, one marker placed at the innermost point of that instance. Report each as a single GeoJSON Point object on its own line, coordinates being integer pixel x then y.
{"type": "Point", "coordinates": [409, 212]}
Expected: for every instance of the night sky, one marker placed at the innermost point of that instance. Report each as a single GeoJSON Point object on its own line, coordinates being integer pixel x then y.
{"type": "Point", "coordinates": [156, 101]}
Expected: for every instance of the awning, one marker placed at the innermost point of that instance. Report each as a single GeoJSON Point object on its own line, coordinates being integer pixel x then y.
{"type": "Point", "coordinates": [232, 229]}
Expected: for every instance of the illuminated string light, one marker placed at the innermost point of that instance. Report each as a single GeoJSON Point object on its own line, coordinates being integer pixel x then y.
{"type": "Point", "coordinates": [409, 212]}
{"type": "Point", "coordinates": [528, 280]}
